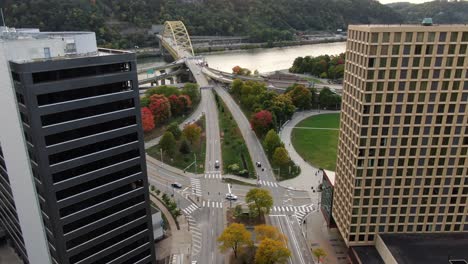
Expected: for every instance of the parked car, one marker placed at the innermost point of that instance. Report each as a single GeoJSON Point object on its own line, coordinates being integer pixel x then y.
{"type": "Point", "coordinates": [176, 185]}
{"type": "Point", "coordinates": [217, 164]}
{"type": "Point", "coordinates": [231, 196]}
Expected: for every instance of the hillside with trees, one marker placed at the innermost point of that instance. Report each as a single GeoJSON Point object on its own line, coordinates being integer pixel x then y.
{"type": "Point", "coordinates": [441, 12]}
{"type": "Point", "coordinates": [123, 24]}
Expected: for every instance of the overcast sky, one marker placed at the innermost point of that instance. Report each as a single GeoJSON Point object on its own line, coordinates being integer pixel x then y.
{"type": "Point", "coordinates": [412, 1]}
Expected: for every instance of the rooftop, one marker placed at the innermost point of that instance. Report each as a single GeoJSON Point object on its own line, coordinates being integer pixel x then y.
{"type": "Point", "coordinates": [427, 248]}
{"type": "Point", "coordinates": [410, 27]}
{"type": "Point", "coordinates": [367, 254]}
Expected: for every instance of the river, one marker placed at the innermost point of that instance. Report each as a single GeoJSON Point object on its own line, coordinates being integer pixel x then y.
{"type": "Point", "coordinates": [263, 60]}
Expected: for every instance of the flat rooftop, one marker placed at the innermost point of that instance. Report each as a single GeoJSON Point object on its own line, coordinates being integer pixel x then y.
{"type": "Point", "coordinates": [368, 254]}
{"type": "Point", "coordinates": [427, 248]}
{"type": "Point", "coordinates": [409, 27]}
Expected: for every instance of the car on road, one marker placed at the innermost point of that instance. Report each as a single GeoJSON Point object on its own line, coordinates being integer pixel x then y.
{"type": "Point", "coordinates": [217, 164]}
{"type": "Point", "coordinates": [231, 196]}
{"type": "Point", "coordinates": [258, 164]}
{"type": "Point", "coordinates": [176, 185]}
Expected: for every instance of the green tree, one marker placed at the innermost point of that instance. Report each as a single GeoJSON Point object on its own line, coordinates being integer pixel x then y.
{"type": "Point", "coordinates": [271, 251]}
{"type": "Point", "coordinates": [259, 200]}
{"type": "Point", "coordinates": [233, 237]}
{"type": "Point", "coordinates": [185, 147]}
{"type": "Point", "coordinates": [168, 143]}
{"type": "Point", "coordinates": [175, 130]}
{"type": "Point", "coordinates": [236, 87]}
{"type": "Point", "coordinates": [301, 97]}
{"type": "Point", "coordinates": [164, 90]}
{"type": "Point", "coordinates": [192, 133]}
{"type": "Point", "coordinates": [238, 211]}
{"type": "Point", "coordinates": [192, 90]}
{"type": "Point", "coordinates": [319, 253]}
{"type": "Point", "coordinates": [280, 156]}
{"type": "Point", "coordinates": [271, 142]}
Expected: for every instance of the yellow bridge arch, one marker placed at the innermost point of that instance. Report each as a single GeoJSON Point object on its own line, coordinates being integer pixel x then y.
{"type": "Point", "coordinates": [177, 33]}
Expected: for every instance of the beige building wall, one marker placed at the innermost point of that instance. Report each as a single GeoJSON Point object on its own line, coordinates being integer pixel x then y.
{"type": "Point", "coordinates": [402, 151]}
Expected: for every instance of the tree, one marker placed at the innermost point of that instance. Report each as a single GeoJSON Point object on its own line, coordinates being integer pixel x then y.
{"type": "Point", "coordinates": [261, 122]}
{"type": "Point", "coordinates": [192, 133]}
{"type": "Point", "coordinates": [237, 211]}
{"type": "Point", "coordinates": [271, 142]}
{"type": "Point", "coordinates": [177, 106]}
{"type": "Point", "coordinates": [233, 237]}
{"type": "Point", "coordinates": [236, 87]}
{"type": "Point", "coordinates": [281, 156]}
{"type": "Point", "coordinates": [271, 251]}
{"type": "Point", "coordinates": [259, 200]}
{"type": "Point", "coordinates": [168, 143]}
{"type": "Point", "coordinates": [236, 70]}
{"type": "Point", "coordinates": [163, 90]}
{"type": "Point", "coordinates": [185, 102]}
{"type": "Point", "coordinates": [268, 231]}
{"type": "Point", "coordinates": [175, 130]}
{"type": "Point", "coordinates": [192, 90]}
{"type": "Point", "coordinates": [319, 253]}
{"type": "Point", "coordinates": [161, 108]}
{"type": "Point", "coordinates": [185, 147]}
{"type": "Point", "coordinates": [301, 97]}
{"type": "Point", "coordinates": [147, 119]}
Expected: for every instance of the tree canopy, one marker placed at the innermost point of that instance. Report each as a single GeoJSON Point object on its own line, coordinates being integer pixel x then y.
{"type": "Point", "coordinates": [260, 201]}
{"type": "Point", "coordinates": [272, 251]}
{"type": "Point", "coordinates": [233, 237]}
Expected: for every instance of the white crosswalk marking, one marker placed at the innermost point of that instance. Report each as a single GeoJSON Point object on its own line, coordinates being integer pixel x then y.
{"type": "Point", "coordinates": [213, 175]}
{"type": "Point", "coordinates": [268, 183]}
{"type": "Point", "coordinates": [212, 204]}
{"type": "Point", "coordinates": [190, 209]}
{"type": "Point", "coordinates": [196, 235]}
{"type": "Point", "coordinates": [196, 186]}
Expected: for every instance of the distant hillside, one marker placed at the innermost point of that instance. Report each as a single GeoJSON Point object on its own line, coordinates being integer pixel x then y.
{"type": "Point", "coordinates": [121, 24]}
{"type": "Point", "coordinates": [440, 12]}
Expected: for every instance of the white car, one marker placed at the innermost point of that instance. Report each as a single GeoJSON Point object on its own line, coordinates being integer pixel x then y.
{"type": "Point", "coordinates": [216, 164]}
{"type": "Point", "coordinates": [231, 196]}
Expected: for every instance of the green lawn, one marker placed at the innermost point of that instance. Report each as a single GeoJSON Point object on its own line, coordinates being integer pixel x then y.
{"type": "Point", "coordinates": [318, 146]}
{"type": "Point", "coordinates": [180, 160]}
{"type": "Point", "coordinates": [233, 148]}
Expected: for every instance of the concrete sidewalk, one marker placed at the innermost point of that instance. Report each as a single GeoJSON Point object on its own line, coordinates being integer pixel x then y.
{"type": "Point", "coordinates": [308, 177]}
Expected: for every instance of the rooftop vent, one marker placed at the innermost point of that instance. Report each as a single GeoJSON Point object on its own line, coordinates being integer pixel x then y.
{"type": "Point", "coordinates": [427, 21]}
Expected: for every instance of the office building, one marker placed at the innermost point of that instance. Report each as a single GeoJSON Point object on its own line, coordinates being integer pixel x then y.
{"type": "Point", "coordinates": [73, 186]}
{"type": "Point", "coordinates": [402, 154]}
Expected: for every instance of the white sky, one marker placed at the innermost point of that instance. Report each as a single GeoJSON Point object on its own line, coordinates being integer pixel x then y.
{"type": "Point", "coordinates": [412, 1]}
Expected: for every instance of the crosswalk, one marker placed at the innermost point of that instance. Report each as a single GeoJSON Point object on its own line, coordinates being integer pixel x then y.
{"type": "Point", "coordinates": [190, 209]}
{"type": "Point", "coordinates": [196, 186]}
{"type": "Point", "coordinates": [213, 175]}
{"type": "Point", "coordinates": [300, 209]}
{"type": "Point", "coordinates": [268, 183]}
{"type": "Point", "coordinates": [196, 235]}
{"type": "Point", "coordinates": [211, 204]}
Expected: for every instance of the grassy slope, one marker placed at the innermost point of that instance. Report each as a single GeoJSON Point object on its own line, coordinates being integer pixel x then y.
{"type": "Point", "coordinates": [232, 142]}
{"type": "Point", "coordinates": [318, 146]}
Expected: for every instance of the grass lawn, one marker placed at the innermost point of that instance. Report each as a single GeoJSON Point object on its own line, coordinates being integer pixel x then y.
{"type": "Point", "coordinates": [161, 128]}
{"type": "Point", "coordinates": [318, 147]}
{"type": "Point", "coordinates": [233, 146]}
{"type": "Point", "coordinates": [180, 160]}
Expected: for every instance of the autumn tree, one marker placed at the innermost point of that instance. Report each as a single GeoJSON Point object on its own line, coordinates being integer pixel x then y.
{"type": "Point", "coordinates": [271, 142]}
{"type": "Point", "coordinates": [236, 69]}
{"type": "Point", "coordinates": [268, 231]}
{"type": "Point", "coordinates": [192, 133]}
{"type": "Point", "coordinates": [271, 251]}
{"type": "Point", "coordinates": [259, 200]}
{"type": "Point", "coordinates": [177, 107]}
{"type": "Point", "coordinates": [160, 107]}
{"type": "Point", "coordinates": [261, 122]}
{"type": "Point", "coordinates": [168, 143]}
{"type": "Point", "coordinates": [301, 97]}
{"type": "Point", "coordinates": [175, 130]}
{"type": "Point", "coordinates": [281, 156]}
{"type": "Point", "coordinates": [319, 253]}
{"type": "Point", "coordinates": [147, 119]}
{"type": "Point", "coordinates": [185, 102]}
{"type": "Point", "coordinates": [233, 237]}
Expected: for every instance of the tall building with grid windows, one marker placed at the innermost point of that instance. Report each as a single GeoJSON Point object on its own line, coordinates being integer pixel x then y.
{"type": "Point", "coordinates": [402, 154]}
{"type": "Point", "coordinates": [73, 184]}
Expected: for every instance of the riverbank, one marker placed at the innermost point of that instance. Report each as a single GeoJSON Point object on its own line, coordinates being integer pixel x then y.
{"type": "Point", "coordinates": [219, 49]}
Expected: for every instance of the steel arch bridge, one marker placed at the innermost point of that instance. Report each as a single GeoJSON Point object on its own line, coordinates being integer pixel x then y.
{"type": "Point", "coordinates": [176, 39]}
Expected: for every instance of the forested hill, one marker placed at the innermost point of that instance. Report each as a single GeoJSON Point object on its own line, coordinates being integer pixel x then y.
{"type": "Point", "coordinates": [440, 12]}
{"type": "Point", "coordinates": [123, 24]}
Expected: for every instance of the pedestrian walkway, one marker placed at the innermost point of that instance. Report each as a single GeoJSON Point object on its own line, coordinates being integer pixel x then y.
{"type": "Point", "coordinates": [196, 235]}
{"type": "Point", "coordinates": [196, 186]}
{"type": "Point", "coordinates": [213, 175]}
{"type": "Point", "coordinates": [211, 204]}
{"type": "Point", "coordinates": [301, 214]}
{"type": "Point", "coordinates": [303, 209]}
{"type": "Point", "coordinates": [268, 183]}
